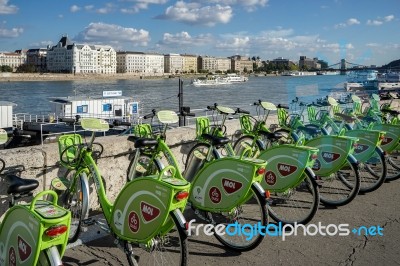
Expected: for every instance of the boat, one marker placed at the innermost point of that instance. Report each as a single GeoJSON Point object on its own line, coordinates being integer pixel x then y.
{"type": "Point", "coordinates": [298, 73]}
{"type": "Point", "coordinates": [361, 80]}
{"type": "Point", "coordinates": [232, 77]}
{"type": "Point", "coordinates": [328, 73]}
{"type": "Point", "coordinates": [389, 81]}
{"type": "Point", "coordinates": [210, 80]}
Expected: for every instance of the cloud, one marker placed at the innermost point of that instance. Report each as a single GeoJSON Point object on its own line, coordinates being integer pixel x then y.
{"type": "Point", "coordinates": [235, 44]}
{"type": "Point", "coordinates": [349, 22]}
{"type": "Point", "coordinates": [107, 9]}
{"type": "Point", "coordinates": [195, 14]}
{"type": "Point", "coordinates": [5, 8]}
{"type": "Point", "coordinates": [184, 39]}
{"type": "Point", "coordinates": [389, 18]}
{"type": "Point", "coordinates": [142, 4]}
{"type": "Point", "coordinates": [110, 33]}
{"type": "Point", "coordinates": [374, 22]}
{"type": "Point", "coordinates": [379, 21]}
{"type": "Point", "coordinates": [74, 8]}
{"type": "Point", "coordinates": [10, 33]}
{"type": "Point", "coordinates": [249, 5]}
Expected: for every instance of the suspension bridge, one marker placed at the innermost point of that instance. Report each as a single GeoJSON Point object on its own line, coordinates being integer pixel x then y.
{"type": "Point", "coordinates": [345, 66]}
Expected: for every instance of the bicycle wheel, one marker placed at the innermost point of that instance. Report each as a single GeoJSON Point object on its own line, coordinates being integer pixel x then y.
{"type": "Point", "coordinates": [2, 165]}
{"type": "Point", "coordinates": [75, 199]}
{"type": "Point", "coordinates": [373, 172]}
{"type": "Point", "coordinates": [246, 217]}
{"type": "Point", "coordinates": [296, 205]}
{"type": "Point", "coordinates": [341, 187]}
{"type": "Point", "coordinates": [393, 165]}
{"type": "Point", "coordinates": [145, 166]}
{"type": "Point", "coordinates": [49, 257]}
{"type": "Point", "coordinates": [244, 146]}
{"type": "Point", "coordinates": [169, 249]}
{"type": "Point", "coordinates": [286, 137]}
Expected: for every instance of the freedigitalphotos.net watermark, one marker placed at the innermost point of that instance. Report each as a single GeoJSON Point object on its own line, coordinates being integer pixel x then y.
{"type": "Point", "coordinates": [282, 230]}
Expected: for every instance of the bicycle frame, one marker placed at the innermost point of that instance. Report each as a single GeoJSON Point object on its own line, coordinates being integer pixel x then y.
{"type": "Point", "coordinates": [31, 228]}
{"type": "Point", "coordinates": [143, 207]}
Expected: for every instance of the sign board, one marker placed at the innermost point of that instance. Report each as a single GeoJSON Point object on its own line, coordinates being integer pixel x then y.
{"type": "Point", "coordinates": [112, 93]}
{"type": "Point", "coordinates": [135, 108]}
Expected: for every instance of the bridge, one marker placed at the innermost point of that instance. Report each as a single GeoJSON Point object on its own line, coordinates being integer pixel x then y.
{"type": "Point", "coordinates": [345, 66]}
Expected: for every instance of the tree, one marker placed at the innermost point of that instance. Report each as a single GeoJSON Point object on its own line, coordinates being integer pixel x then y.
{"type": "Point", "coordinates": [5, 68]}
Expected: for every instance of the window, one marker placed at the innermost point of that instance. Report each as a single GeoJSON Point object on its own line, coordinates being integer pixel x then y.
{"type": "Point", "coordinates": [82, 109]}
{"type": "Point", "coordinates": [107, 107]}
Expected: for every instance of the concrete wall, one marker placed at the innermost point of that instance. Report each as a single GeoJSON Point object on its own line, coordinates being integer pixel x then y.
{"type": "Point", "coordinates": [41, 162]}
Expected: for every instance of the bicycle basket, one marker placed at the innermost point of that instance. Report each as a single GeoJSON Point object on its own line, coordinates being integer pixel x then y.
{"type": "Point", "coordinates": [143, 131]}
{"type": "Point", "coordinates": [68, 146]}
{"type": "Point", "coordinates": [246, 124]}
{"type": "Point", "coordinates": [202, 126]}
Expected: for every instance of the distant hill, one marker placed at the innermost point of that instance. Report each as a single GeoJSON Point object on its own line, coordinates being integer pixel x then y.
{"type": "Point", "coordinates": [392, 65]}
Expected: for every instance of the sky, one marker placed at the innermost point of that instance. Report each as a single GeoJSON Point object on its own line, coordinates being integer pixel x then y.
{"type": "Point", "coordinates": [364, 32]}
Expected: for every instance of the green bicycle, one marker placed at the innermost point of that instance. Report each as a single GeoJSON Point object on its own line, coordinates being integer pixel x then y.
{"type": "Point", "coordinates": [336, 168]}
{"type": "Point", "coordinates": [146, 218]}
{"type": "Point", "coordinates": [223, 192]}
{"type": "Point", "coordinates": [372, 162]}
{"type": "Point", "coordinates": [33, 233]}
{"type": "Point", "coordinates": [294, 194]}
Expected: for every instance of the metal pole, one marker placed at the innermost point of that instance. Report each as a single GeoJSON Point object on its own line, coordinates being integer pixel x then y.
{"type": "Point", "coordinates": [180, 95]}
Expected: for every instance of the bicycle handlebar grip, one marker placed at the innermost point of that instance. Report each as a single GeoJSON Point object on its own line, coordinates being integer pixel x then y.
{"type": "Point", "coordinates": [283, 106]}
{"type": "Point", "coordinates": [190, 114]}
{"type": "Point", "coordinates": [241, 111]}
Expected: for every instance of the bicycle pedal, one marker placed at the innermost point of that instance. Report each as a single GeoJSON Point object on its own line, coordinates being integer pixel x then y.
{"type": "Point", "coordinates": [60, 184]}
{"type": "Point", "coordinates": [88, 222]}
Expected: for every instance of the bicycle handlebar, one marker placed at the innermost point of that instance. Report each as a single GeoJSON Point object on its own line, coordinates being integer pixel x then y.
{"type": "Point", "coordinates": [282, 106]}
{"type": "Point", "coordinates": [151, 115]}
{"type": "Point", "coordinates": [241, 111]}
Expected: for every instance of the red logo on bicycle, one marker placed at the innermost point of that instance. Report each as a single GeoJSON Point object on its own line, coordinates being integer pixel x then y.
{"type": "Point", "coordinates": [386, 141]}
{"type": "Point", "coordinates": [330, 156]}
{"type": "Point", "coordinates": [270, 178]}
{"type": "Point", "coordinates": [215, 194]}
{"type": "Point", "coordinates": [231, 186]}
{"type": "Point", "coordinates": [133, 222]}
{"type": "Point", "coordinates": [149, 212]}
{"type": "Point", "coordinates": [317, 165]}
{"type": "Point", "coordinates": [360, 148]}
{"type": "Point", "coordinates": [12, 257]}
{"type": "Point", "coordinates": [286, 169]}
{"type": "Point", "coordinates": [24, 250]}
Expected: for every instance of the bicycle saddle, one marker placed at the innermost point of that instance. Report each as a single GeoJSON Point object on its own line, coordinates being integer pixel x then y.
{"type": "Point", "coordinates": [310, 129]}
{"type": "Point", "coordinates": [215, 141]}
{"type": "Point", "coordinates": [346, 118]}
{"type": "Point", "coordinates": [142, 142]}
{"type": "Point", "coordinates": [19, 185]}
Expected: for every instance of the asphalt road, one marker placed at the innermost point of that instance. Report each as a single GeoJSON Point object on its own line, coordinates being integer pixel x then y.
{"type": "Point", "coordinates": [378, 210]}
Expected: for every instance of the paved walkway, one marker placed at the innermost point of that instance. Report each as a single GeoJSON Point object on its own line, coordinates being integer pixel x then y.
{"type": "Point", "coordinates": [379, 208]}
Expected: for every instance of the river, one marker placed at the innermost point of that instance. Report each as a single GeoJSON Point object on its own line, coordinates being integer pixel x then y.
{"type": "Point", "coordinates": [32, 97]}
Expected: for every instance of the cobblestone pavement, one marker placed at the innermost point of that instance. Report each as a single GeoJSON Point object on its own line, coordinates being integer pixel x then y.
{"type": "Point", "coordinates": [378, 208]}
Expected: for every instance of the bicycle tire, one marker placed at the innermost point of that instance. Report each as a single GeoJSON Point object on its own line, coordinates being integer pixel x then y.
{"type": "Point", "coordinates": [297, 205]}
{"type": "Point", "coordinates": [261, 218]}
{"type": "Point", "coordinates": [49, 257]}
{"type": "Point", "coordinates": [177, 240]}
{"type": "Point", "coordinates": [373, 172]}
{"type": "Point", "coordinates": [242, 145]}
{"type": "Point", "coordinates": [2, 165]}
{"type": "Point", "coordinates": [393, 166]}
{"type": "Point", "coordinates": [145, 167]}
{"type": "Point", "coordinates": [74, 199]}
{"type": "Point", "coordinates": [341, 187]}
{"type": "Point", "coordinates": [286, 137]}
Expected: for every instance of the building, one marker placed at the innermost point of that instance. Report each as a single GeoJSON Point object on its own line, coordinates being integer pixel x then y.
{"type": "Point", "coordinates": [189, 63]}
{"type": "Point", "coordinates": [173, 63]}
{"type": "Point", "coordinates": [37, 58]}
{"type": "Point", "coordinates": [241, 64]}
{"type": "Point", "coordinates": [74, 58]}
{"type": "Point", "coordinates": [283, 63]}
{"type": "Point", "coordinates": [140, 63]}
{"type": "Point", "coordinates": [223, 64]}
{"type": "Point", "coordinates": [308, 63]}
{"type": "Point", "coordinates": [13, 60]}
{"type": "Point", "coordinates": [207, 63]}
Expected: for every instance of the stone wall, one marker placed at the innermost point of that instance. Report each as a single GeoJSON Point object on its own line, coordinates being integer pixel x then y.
{"type": "Point", "coordinates": [42, 162]}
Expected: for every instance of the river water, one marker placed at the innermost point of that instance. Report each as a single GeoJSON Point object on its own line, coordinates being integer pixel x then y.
{"type": "Point", "coordinates": [32, 97]}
